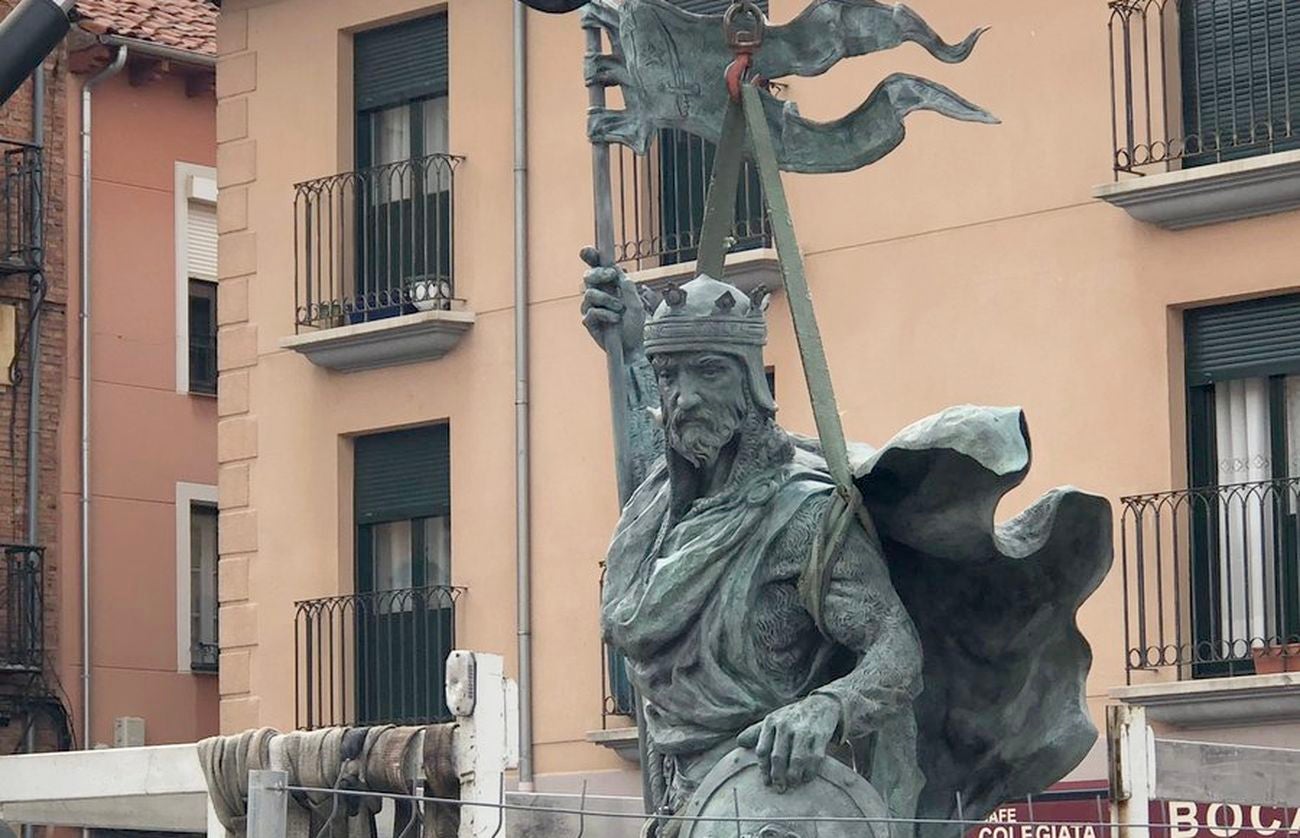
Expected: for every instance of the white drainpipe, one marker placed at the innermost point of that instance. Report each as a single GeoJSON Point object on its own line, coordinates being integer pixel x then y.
{"type": "Point", "coordinates": [119, 61]}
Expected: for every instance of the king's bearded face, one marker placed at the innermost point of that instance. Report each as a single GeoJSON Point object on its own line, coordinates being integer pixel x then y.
{"type": "Point", "coordinates": [705, 401]}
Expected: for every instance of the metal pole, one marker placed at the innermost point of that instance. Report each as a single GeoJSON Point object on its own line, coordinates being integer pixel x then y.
{"type": "Point", "coordinates": [27, 35]}
{"type": "Point", "coordinates": [268, 804]}
{"type": "Point", "coordinates": [523, 519]}
{"type": "Point", "coordinates": [604, 212]}
{"type": "Point", "coordinates": [35, 300]}
{"type": "Point", "coordinates": [603, 207]}
{"type": "Point", "coordinates": [119, 61]}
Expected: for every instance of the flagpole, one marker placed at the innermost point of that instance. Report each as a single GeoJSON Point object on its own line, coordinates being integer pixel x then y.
{"type": "Point", "coordinates": [615, 367]}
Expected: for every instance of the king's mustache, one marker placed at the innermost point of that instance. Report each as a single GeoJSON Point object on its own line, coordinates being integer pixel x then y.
{"type": "Point", "coordinates": [703, 417]}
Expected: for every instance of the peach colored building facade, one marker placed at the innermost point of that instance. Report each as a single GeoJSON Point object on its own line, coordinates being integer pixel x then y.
{"type": "Point", "coordinates": [973, 265]}
{"type": "Point", "coordinates": [152, 430]}
{"type": "Point", "coordinates": [152, 477]}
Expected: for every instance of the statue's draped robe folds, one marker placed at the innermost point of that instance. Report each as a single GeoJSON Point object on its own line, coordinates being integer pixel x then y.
{"type": "Point", "coordinates": [998, 702]}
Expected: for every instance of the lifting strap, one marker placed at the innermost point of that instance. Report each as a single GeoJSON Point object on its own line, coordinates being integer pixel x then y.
{"type": "Point", "coordinates": [745, 128]}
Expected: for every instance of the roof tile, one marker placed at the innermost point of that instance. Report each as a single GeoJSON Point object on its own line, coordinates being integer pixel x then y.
{"type": "Point", "coordinates": [183, 24]}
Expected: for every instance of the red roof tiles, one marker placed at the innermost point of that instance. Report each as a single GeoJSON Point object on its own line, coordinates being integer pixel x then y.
{"type": "Point", "coordinates": [183, 24]}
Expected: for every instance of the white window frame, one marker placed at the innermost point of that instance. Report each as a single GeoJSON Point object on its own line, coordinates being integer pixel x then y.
{"type": "Point", "coordinates": [193, 183]}
{"type": "Point", "coordinates": [187, 494]}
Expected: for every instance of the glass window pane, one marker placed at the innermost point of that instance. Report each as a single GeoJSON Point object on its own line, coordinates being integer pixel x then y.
{"type": "Point", "coordinates": [1293, 425]}
{"type": "Point", "coordinates": [203, 585]}
{"type": "Point", "coordinates": [436, 126]}
{"type": "Point", "coordinates": [203, 336]}
{"type": "Point", "coordinates": [392, 134]}
{"type": "Point", "coordinates": [437, 176]}
{"type": "Point", "coordinates": [392, 552]}
{"type": "Point", "coordinates": [437, 550]}
{"type": "Point", "coordinates": [1243, 443]}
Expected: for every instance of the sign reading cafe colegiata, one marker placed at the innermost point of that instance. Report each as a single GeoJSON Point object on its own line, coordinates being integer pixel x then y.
{"type": "Point", "coordinates": [1083, 818]}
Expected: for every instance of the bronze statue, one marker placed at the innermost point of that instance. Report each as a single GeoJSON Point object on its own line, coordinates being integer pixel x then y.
{"type": "Point", "coordinates": [934, 652]}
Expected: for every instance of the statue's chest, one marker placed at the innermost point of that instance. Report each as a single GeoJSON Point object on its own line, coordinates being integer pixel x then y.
{"type": "Point", "coordinates": [757, 594]}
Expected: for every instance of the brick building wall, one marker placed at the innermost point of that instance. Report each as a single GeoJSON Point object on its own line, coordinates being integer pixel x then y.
{"type": "Point", "coordinates": [19, 692]}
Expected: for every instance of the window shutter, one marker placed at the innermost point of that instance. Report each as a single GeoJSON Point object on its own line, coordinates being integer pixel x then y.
{"type": "Point", "coordinates": [1243, 340]}
{"type": "Point", "coordinates": [400, 63]}
{"type": "Point", "coordinates": [201, 241]}
{"type": "Point", "coordinates": [403, 474]}
{"type": "Point", "coordinates": [711, 7]}
{"type": "Point", "coordinates": [1241, 63]}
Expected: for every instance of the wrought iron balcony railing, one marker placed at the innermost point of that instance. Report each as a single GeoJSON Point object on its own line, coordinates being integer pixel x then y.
{"type": "Point", "coordinates": [659, 202]}
{"type": "Point", "coordinates": [616, 698]}
{"type": "Point", "coordinates": [375, 243]}
{"type": "Point", "coordinates": [21, 200]}
{"type": "Point", "coordinates": [374, 658]}
{"type": "Point", "coordinates": [22, 608]}
{"type": "Point", "coordinates": [1202, 81]}
{"type": "Point", "coordinates": [1212, 579]}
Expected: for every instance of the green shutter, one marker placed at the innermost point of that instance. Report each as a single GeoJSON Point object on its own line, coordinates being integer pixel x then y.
{"type": "Point", "coordinates": [403, 474]}
{"type": "Point", "coordinates": [1241, 74]}
{"type": "Point", "coordinates": [711, 7]}
{"type": "Point", "coordinates": [400, 63]}
{"type": "Point", "coordinates": [1243, 340]}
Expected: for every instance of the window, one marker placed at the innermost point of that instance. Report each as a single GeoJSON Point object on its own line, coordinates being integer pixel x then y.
{"type": "Point", "coordinates": [196, 578]}
{"type": "Point", "coordinates": [685, 171]}
{"type": "Point", "coordinates": [405, 211]}
{"type": "Point", "coordinates": [203, 337]}
{"type": "Point", "coordinates": [1243, 373]}
{"type": "Point", "coordinates": [406, 624]}
{"type": "Point", "coordinates": [196, 279]}
{"type": "Point", "coordinates": [1241, 77]}
{"type": "Point", "coordinates": [203, 587]}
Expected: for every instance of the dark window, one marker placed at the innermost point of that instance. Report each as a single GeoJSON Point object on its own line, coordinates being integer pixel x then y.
{"type": "Point", "coordinates": [405, 616]}
{"type": "Point", "coordinates": [204, 650]}
{"type": "Point", "coordinates": [685, 169]}
{"type": "Point", "coordinates": [1241, 77]}
{"type": "Point", "coordinates": [203, 337]}
{"type": "Point", "coordinates": [1243, 374]}
{"type": "Point", "coordinates": [405, 217]}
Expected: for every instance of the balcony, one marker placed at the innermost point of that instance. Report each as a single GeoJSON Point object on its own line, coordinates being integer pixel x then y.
{"type": "Point", "coordinates": [22, 608]}
{"type": "Point", "coordinates": [374, 265]}
{"type": "Point", "coordinates": [1212, 580]}
{"type": "Point", "coordinates": [617, 709]}
{"type": "Point", "coordinates": [373, 658]}
{"type": "Point", "coordinates": [659, 204]}
{"type": "Point", "coordinates": [20, 207]}
{"type": "Point", "coordinates": [1205, 99]}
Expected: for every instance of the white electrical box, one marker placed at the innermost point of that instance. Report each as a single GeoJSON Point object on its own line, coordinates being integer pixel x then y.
{"type": "Point", "coordinates": [128, 732]}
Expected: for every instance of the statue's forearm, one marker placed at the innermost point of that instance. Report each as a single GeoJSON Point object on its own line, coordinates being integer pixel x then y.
{"type": "Point", "coordinates": [862, 611]}
{"type": "Point", "coordinates": [884, 682]}
{"type": "Point", "coordinates": [645, 436]}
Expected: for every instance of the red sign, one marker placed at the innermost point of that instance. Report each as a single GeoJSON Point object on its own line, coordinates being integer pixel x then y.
{"type": "Point", "coordinates": [1085, 813]}
{"type": "Point", "coordinates": [1080, 814]}
{"type": "Point", "coordinates": [1226, 820]}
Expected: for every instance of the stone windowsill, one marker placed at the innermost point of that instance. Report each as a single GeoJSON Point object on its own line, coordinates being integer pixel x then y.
{"type": "Point", "coordinates": [746, 270]}
{"type": "Point", "coordinates": [1262, 185]}
{"type": "Point", "coordinates": [620, 740]}
{"type": "Point", "coordinates": [1218, 702]}
{"type": "Point", "coordinates": [411, 338]}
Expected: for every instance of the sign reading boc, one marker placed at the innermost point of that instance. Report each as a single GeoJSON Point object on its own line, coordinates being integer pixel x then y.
{"type": "Point", "coordinates": [1087, 816]}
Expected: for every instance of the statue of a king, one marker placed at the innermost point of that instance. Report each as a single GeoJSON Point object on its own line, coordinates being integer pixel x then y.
{"type": "Point", "coordinates": [934, 652]}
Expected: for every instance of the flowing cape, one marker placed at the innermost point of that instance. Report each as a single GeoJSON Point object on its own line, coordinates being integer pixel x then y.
{"type": "Point", "coordinates": [1003, 710]}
